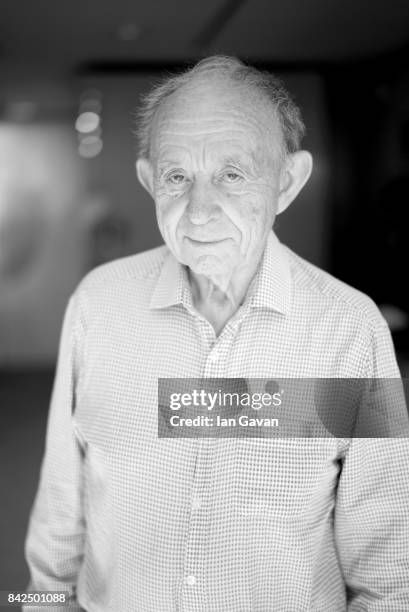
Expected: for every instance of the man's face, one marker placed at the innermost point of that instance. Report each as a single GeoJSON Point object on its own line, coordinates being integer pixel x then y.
{"type": "Point", "coordinates": [216, 164]}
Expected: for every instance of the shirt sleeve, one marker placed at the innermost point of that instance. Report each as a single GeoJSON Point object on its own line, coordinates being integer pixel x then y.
{"type": "Point", "coordinates": [55, 536]}
{"type": "Point", "coordinates": [372, 509]}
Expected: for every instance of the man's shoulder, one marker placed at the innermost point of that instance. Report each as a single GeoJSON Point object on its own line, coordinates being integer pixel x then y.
{"type": "Point", "coordinates": [137, 267]}
{"type": "Point", "coordinates": [322, 286]}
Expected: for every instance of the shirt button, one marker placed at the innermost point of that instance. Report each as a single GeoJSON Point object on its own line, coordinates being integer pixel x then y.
{"type": "Point", "coordinates": [196, 503]}
{"type": "Point", "coordinates": [214, 356]}
{"type": "Point", "coordinates": [190, 580]}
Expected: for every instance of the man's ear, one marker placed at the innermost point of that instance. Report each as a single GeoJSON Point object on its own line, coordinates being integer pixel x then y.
{"type": "Point", "coordinates": [144, 173]}
{"type": "Point", "coordinates": [294, 174]}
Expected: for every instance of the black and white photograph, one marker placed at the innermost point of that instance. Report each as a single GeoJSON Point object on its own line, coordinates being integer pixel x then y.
{"type": "Point", "coordinates": [204, 306]}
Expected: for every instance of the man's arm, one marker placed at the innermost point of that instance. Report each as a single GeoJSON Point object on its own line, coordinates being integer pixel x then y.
{"type": "Point", "coordinates": [372, 524]}
{"type": "Point", "coordinates": [54, 543]}
{"type": "Point", "coordinates": [372, 508]}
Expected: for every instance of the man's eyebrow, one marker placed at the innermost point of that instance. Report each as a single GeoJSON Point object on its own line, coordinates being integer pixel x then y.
{"type": "Point", "coordinates": [240, 159]}
{"type": "Point", "coordinates": [167, 163]}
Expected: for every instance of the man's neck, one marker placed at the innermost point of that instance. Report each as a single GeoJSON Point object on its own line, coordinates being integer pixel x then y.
{"type": "Point", "coordinates": [219, 300]}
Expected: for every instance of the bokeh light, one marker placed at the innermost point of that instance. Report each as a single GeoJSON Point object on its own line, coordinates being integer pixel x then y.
{"type": "Point", "coordinates": [87, 122]}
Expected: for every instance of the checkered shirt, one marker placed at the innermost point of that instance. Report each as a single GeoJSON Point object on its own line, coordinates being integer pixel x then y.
{"type": "Point", "coordinates": [126, 521]}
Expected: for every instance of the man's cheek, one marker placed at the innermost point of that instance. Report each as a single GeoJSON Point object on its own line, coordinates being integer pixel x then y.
{"type": "Point", "coordinates": [165, 218]}
{"type": "Point", "coordinates": [168, 210]}
{"type": "Point", "coordinates": [245, 211]}
{"type": "Point", "coordinates": [259, 215]}
{"type": "Point", "coordinates": [257, 206]}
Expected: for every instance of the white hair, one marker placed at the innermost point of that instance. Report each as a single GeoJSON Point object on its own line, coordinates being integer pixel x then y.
{"type": "Point", "coordinates": [226, 67]}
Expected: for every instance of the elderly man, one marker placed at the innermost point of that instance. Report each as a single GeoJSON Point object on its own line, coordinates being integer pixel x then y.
{"type": "Point", "coordinates": [125, 520]}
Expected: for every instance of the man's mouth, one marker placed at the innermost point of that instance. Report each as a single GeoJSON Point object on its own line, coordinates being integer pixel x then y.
{"type": "Point", "coordinates": [205, 242]}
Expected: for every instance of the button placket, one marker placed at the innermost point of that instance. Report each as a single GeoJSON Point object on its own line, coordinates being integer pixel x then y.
{"type": "Point", "coordinates": [198, 524]}
{"type": "Point", "coordinates": [190, 580]}
{"type": "Point", "coordinates": [196, 502]}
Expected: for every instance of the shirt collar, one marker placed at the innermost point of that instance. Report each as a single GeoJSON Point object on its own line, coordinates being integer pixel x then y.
{"type": "Point", "coordinates": [271, 287]}
{"type": "Point", "coordinates": [172, 285]}
{"type": "Point", "coordinates": [272, 284]}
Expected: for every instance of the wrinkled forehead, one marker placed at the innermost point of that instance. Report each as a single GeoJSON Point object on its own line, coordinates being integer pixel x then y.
{"type": "Point", "coordinates": [217, 114]}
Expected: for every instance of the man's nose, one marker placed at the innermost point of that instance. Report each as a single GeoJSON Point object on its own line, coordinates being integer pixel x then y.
{"type": "Point", "coordinates": [203, 203]}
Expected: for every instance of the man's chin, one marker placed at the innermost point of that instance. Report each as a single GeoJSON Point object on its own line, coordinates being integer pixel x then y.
{"type": "Point", "coordinates": [214, 271]}
{"type": "Point", "coordinates": [205, 269]}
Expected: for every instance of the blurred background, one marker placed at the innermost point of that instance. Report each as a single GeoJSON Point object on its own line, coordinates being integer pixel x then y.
{"type": "Point", "coordinates": [70, 78]}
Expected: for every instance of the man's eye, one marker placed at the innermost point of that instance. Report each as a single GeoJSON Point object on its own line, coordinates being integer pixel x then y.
{"type": "Point", "coordinates": [176, 179]}
{"type": "Point", "coordinates": [231, 177]}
